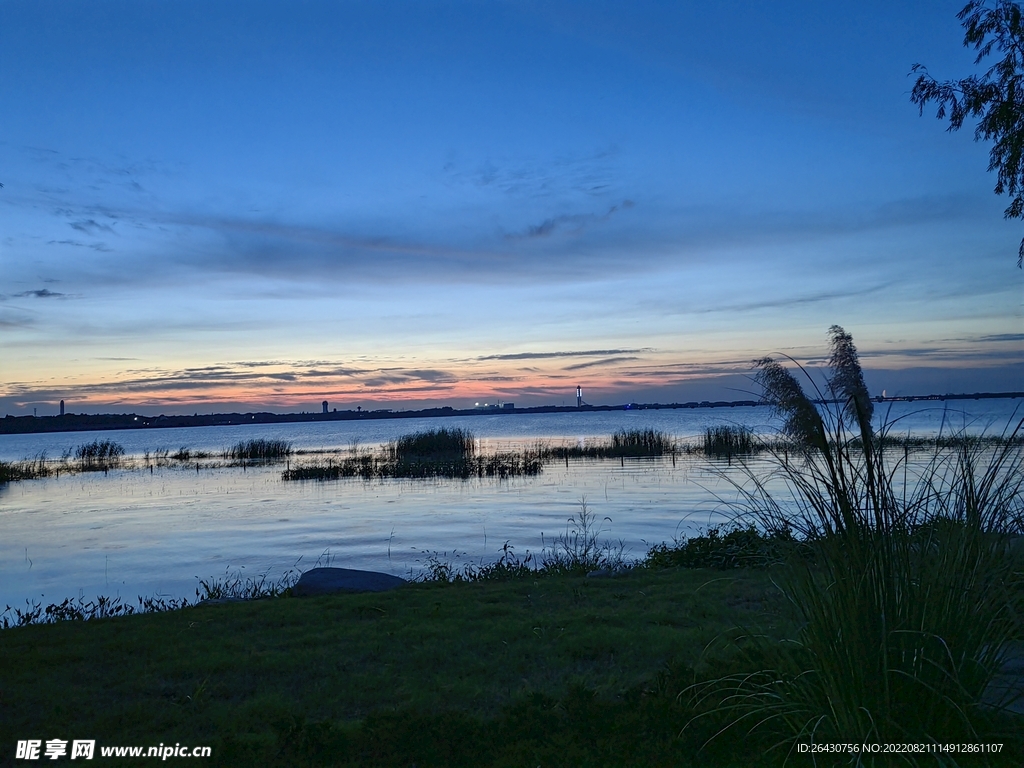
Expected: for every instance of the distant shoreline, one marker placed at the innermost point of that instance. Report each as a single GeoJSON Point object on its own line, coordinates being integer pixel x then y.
{"type": "Point", "coordinates": [72, 422]}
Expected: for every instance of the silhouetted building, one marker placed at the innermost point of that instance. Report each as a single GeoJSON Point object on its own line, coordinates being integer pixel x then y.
{"type": "Point", "coordinates": [61, 407]}
{"type": "Point", "coordinates": [579, 397]}
{"type": "Point", "coordinates": [325, 406]}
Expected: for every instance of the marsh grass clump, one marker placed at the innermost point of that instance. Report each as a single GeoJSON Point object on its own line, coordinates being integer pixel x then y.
{"type": "Point", "coordinates": [233, 586]}
{"type": "Point", "coordinates": [438, 453]}
{"type": "Point", "coordinates": [11, 471]}
{"type": "Point", "coordinates": [237, 586]}
{"type": "Point", "coordinates": [254, 450]}
{"type": "Point", "coordinates": [440, 567]}
{"type": "Point", "coordinates": [433, 445]}
{"type": "Point", "coordinates": [624, 443]}
{"type": "Point", "coordinates": [29, 469]}
{"type": "Point", "coordinates": [727, 441]}
{"type": "Point", "coordinates": [99, 455]}
{"type": "Point", "coordinates": [737, 546]}
{"type": "Point", "coordinates": [911, 594]}
{"type": "Point", "coordinates": [367, 466]}
{"type": "Point", "coordinates": [580, 548]}
{"type": "Point", "coordinates": [451, 453]}
{"type": "Point", "coordinates": [578, 551]}
{"type": "Point", "coordinates": [641, 442]}
{"type": "Point", "coordinates": [81, 610]}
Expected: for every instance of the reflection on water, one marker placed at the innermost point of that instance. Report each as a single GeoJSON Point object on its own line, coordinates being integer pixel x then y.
{"type": "Point", "coordinates": [132, 533]}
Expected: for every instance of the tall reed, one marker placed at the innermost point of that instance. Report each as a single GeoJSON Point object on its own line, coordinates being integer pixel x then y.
{"type": "Point", "coordinates": [911, 594]}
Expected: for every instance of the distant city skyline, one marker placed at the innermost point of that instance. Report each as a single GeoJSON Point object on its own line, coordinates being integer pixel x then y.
{"type": "Point", "coordinates": [259, 206]}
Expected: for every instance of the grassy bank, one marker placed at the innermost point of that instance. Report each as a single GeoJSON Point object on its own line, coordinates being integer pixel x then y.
{"type": "Point", "coordinates": [556, 670]}
{"type": "Point", "coordinates": [524, 662]}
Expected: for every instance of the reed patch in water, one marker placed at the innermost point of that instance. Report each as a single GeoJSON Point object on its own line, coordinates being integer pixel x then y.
{"type": "Point", "coordinates": [727, 441]}
{"type": "Point", "coordinates": [258, 450]}
{"type": "Point", "coordinates": [29, 469]}
{"type": "Point", "coordinates": [99, 455]}
{"type": "Point", "coordinates": [379, 467]}
{"type": "Point", "coordinates": [631, 443]}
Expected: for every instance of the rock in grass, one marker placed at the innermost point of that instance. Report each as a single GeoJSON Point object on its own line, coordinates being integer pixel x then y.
{"type": "Point", "coordinates": [327, 581]}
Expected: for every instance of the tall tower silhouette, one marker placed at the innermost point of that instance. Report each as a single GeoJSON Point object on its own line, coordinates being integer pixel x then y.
{"type": "Point", "coordinates": [579, 397]}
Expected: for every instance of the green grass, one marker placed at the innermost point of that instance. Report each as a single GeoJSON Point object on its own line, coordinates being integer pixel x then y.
{"type": "Point", "coordinates": [562, 670]}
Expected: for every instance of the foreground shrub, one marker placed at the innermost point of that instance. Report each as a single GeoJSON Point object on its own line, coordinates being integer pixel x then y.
{"type": "Point", "coordinates": [911, 596]}
{"type": "Point", "coordinates": [737, 547]}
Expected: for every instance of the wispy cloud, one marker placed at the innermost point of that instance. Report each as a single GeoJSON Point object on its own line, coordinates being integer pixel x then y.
{"type": "Point", "coordinates": [42, 293]}
{"type": "Point", "coordinates": [1001, 337]}
{"type": "Point", "coordinates": [228, 379]}
{"type": "Point", "coordinates": [545, 355]}
{"type": "Point", "coordinates": [594, 363]}
{"type": "Point", "coordinates": [575, 222]}
{"type": "Point", "coordinates": [90, 226]}
{"type": "Point", "coordinates": [579, 175]}
{"type": "Point", "coordinates": [794, 301]}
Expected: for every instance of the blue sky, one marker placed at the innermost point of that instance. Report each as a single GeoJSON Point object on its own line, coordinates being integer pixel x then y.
{"type": "Point", "coordinates": [253, 206]}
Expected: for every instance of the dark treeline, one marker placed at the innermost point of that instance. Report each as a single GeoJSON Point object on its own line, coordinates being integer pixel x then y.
{"type": "Point", "coordinates": [78, 422]}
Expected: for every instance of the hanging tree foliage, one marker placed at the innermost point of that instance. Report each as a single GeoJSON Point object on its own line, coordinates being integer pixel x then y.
{"type": "Point", "coordinates": [997, 96]}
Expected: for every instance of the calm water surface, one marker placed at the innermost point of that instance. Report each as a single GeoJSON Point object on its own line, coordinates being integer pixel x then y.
{"type": "Point", "coordinates": [133, 532]}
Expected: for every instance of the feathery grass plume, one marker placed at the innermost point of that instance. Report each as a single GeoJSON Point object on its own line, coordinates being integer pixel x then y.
{"type": "Point", "coordinates": [911, 591]}
{"type": "Point", "coordinates": [847, 380]}
{"type": "Point", "coordinates": [783, 392]}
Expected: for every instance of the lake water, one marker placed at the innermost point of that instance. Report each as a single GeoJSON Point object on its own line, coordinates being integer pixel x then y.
{"type": "Point", "coordinates": [136, 532]}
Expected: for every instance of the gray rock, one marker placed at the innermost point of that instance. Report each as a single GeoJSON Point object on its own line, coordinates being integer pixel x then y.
{"type": "Point", "coordinates": [327, 581]}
